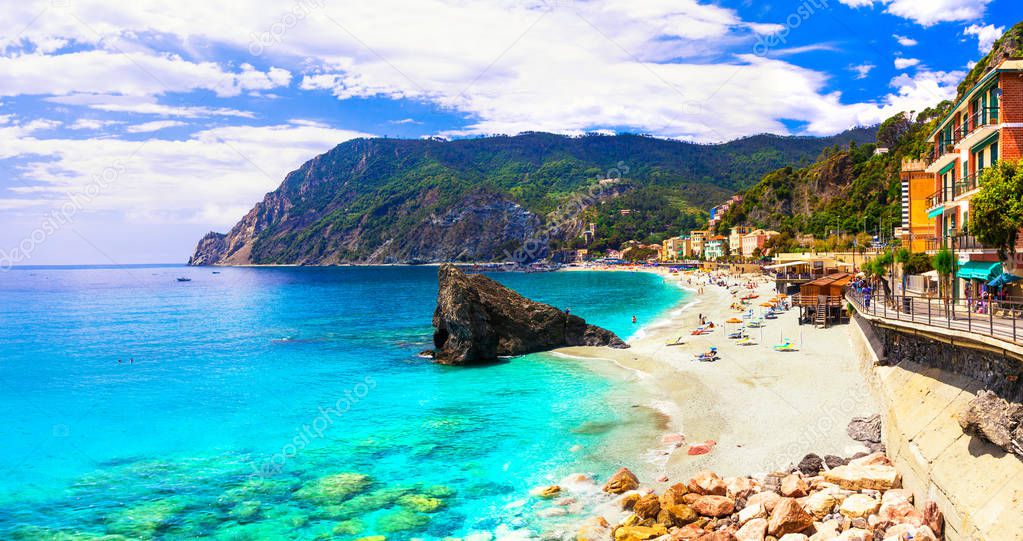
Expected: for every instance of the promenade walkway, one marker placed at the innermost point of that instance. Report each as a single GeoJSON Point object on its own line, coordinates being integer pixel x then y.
{"type": "Point", "coordinates": [1000, 320]}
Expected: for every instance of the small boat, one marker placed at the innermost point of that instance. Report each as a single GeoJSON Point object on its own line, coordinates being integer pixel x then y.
{"type": "Point", "coordinates": [184, 279]}
{"type": "Point", "coordinates": [216, 272]}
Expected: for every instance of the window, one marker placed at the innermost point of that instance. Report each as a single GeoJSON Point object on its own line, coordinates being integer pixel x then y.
{"type": "Point", "coordinates": [994, 152]}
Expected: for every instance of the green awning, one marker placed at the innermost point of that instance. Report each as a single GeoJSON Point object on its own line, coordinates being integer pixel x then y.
{"type": "Point", "coordinates": [936, 212]}
{"type": "Point", "coordinates": [979, 270]}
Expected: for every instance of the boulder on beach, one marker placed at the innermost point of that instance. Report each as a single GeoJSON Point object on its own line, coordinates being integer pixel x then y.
{"type": "Point", "coordinates": [478, 320]}
{"type": "Point", "coordinates": [860, 477]}
{"type": "Point", "coordinates": [622, 481]}
{"type": "Point", "coordinates": [788, 517]}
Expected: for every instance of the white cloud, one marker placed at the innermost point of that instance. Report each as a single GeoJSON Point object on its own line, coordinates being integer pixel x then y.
{"type": "Point", "coordinates": [928, 12]}
{"type": "Point", "coordinates": [986, 35]}
{"type": "Point", "coordinates": [91, 124]}
{"type": "Point", "coordinates": [146, 106]}
{"type": "Point", "coordinates": [862, 70]}
{"type": "Point", "coordinates": [99, 71]}
{"type": "Point", "coordinates": [905, 41]}
{"type": "Point", "coordinates": [155, 125]}
{"type": "Point", "coordinates": [903, 63]}
{"type": "Point", "coordinates": [405, 121]}
{"type": "Point", "coordinates": [161, 180]}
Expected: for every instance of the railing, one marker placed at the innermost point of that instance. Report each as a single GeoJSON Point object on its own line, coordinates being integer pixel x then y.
{"type": "Point", "coordinates": [985, 116]}
{"type": "Point", "coordinates": [965, 185]}
{"type": "Point", "coordinates": [998, 319]}
{"type": "Point", "coordinates": [944, 146]}
{"type": "Point", "coordinates": [812, 300]}
{"type": "Point", "coordinates": [968, 242]}
{"type": "Point", "coordinates": [935, 199]}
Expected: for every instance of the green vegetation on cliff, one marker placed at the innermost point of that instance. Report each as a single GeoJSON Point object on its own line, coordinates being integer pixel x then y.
{"type": "Point", "coordinates": [391, 200]}
{"type": "Point", "coordinates": [851, 189]}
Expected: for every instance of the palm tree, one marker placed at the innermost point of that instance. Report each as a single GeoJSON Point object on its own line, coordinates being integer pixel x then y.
{"type": "Point", "coordinates": [902, 256]}
{"type": "Point", "coordinates": [945, 264]}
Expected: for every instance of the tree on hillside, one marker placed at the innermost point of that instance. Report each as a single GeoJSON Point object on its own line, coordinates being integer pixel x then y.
{"type": "Point", "coordinates": [891, 131]}
{"type": "Point", "coordinates": [996, 212]}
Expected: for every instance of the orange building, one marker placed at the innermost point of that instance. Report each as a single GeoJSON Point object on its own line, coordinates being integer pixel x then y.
{"type": "Point", "coordinates": [917, 185]}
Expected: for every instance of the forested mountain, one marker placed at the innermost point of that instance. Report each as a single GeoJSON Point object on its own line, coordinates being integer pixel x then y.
{"type": "Point", "coordinates": [393, 200]}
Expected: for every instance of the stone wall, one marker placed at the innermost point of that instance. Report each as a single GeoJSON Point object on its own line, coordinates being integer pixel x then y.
{"type": "Point", "coordinates": [996, 371]}
{"type": "Point", "coordinates": [922, 385]}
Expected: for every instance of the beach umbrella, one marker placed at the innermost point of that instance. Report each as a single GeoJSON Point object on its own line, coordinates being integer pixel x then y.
{"type": "Point", "coordinates": [734, 320]}
{"type": "Point", "coordinates": [766, 304]}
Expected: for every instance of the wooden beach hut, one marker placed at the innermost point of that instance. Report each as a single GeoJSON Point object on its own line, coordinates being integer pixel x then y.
{"type": "Point", "coordinates": [822, 300]}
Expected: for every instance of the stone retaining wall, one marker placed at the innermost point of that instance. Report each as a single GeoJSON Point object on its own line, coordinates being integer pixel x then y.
{"type": "Point", "coordinates": [922, 384]}
{"type": "Point", "coordinates": [995, 371]}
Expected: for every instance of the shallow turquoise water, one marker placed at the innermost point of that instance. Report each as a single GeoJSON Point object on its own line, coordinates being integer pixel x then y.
{"type": "Point", "coordinates": [241, 396]}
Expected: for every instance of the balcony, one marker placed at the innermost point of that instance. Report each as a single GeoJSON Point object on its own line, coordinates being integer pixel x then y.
{"type": "Point", "coordinates": [964, 186]}
{"type": "Point", "coordinates": [978, 127]}
{"type": "Point", "coordinates": [969, 243]}
{"type": "Point", "coordinates": [944, 153]}
{"type": "Point", "coordinates": [936, 199]}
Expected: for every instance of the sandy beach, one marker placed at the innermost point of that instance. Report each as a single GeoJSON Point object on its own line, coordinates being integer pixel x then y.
{"type": "Point", "coordinates": [764, 409]}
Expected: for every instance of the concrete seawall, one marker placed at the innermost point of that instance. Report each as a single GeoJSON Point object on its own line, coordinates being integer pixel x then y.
{"type": "Point", "coordinates": [977, 486]}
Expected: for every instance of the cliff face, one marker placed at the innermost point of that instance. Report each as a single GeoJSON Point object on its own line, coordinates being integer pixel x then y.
{"type": "Point", "coordinates": [400, 201]}
{"type": "Point", "coordinates": [478, 320]}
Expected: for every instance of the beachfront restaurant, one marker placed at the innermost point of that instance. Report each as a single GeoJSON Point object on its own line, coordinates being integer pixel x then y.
{"type": "Point", "coordinates": [789, 275]}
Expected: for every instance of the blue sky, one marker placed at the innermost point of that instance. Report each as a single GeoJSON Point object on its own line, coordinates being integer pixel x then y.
{"type": "Point", "coordinates": [128, 131]}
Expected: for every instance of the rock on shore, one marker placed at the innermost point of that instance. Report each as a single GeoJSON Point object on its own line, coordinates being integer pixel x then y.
{"type": "Point", "coordinates": [995, 420]}
{"type": "Point", "coordinates": [861, 500]}
{"type": "Point", "coordinates": [478, 320]}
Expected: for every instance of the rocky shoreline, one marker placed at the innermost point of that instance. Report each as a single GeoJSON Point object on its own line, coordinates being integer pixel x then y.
{"type": "Point", "coordinates": [855, 499]}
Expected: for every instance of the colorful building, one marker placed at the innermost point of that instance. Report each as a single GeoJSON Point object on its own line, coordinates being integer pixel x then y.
{"type": "Point", "coordinates": [756, 241]}
{"type": "Point", "coordinates": [696, 240]}
{"type": "Point", "coordinates": [735, 238]}
{"type": "Point", "coordinates": [917, 185]}
{"type": "Point", "coordinates": [983, 127]}
{"type": "Point", "coordinates": [715, 247]}
{"type": "Point", "coordinates": [673, 249]}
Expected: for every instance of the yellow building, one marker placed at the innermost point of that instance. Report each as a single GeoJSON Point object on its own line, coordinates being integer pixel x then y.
{"type": "Point", "coordinates": [735, 238]}
{"type": "Point", "coordinates": [674, 249]}
{"type": "Point", "coordinates": [917, 186]}
{"type": "Point", "coordinates": [696, 240]}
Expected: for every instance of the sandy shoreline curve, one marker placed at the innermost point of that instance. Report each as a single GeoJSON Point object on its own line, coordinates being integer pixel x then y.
{"type": "Point", "coordinates": [764, 409]}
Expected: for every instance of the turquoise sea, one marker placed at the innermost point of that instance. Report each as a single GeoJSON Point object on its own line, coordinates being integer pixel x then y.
{"type": "Point", "coordinates": [290, 403]}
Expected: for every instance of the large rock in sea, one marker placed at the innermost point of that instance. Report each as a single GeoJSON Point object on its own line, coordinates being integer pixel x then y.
{"type": "Point", "coordinates": [478, 320]}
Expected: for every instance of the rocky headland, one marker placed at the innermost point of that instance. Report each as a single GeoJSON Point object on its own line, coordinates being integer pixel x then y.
{"type": "Point", "coordinates": [478, 320]}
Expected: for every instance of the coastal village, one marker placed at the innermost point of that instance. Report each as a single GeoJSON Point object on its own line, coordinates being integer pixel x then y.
{"type": "Point", "coordinates": [980, 130]}
{"type": "Point", "coordinates": [940, 345]}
